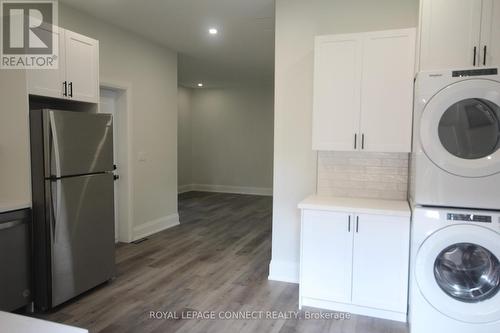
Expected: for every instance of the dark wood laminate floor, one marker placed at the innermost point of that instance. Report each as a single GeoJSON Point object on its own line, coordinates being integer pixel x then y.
{"type": "Point", "coordinates": [216, 260]}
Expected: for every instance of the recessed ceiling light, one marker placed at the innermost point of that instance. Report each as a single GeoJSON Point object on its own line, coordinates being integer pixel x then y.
{"type": "Point", "coordinates": [212, 31]}
{"type": "Point", "coordinates": [200, 84]}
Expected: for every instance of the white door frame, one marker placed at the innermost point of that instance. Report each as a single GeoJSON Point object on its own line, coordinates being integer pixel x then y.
{"type": "Point", "coordinates": [124, 157]}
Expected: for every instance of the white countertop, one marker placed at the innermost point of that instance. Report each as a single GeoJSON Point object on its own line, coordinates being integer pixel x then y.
{"type": "Point", "coordinates": [13, 205]}
{"type": "Point", "coordinates": [357, 205]}
{"type": "Point", "coordinates": [13, 323]}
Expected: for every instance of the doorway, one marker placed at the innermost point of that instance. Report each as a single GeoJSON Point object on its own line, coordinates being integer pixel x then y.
{"type": "Point", "coordinates": [115, 100]}
{"type": "Point", "coordinates": [108, 105]}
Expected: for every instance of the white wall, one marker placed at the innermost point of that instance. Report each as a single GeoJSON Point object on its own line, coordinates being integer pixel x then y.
{"type": "Point", "coordinates": [184, 138]}
{"type": "Point", "coordinates": [15, 177]}
{"type": "Point", "coordinates": [151, 70]}
{"type": "Point", "coordinates": [295, 164]}
{"type": "Point", "coordinates": [231, 138]}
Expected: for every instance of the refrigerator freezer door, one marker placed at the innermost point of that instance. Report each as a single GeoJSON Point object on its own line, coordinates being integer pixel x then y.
{"type": "Point", "coordinates": [82, 234]}
{"type": "Point", "coordinates": [79, 143]}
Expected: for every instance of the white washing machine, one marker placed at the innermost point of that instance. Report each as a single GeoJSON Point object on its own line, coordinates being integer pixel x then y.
{"type": "Point", "coordinates": [455, 271]}
{"type": "Point", "coordinates": [456, 139]}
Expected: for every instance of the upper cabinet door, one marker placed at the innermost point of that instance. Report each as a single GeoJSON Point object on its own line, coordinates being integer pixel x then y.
{"type": "Point", "coordinates": [49, 82]}
{"type": "Point", "coordinates": [387, 91]}
{"type": "Point", "coordinates": [336, 106]}
{"type": "Point", "coordinates": [380, 268]}
{"type": "Point", "coordinates": [490, 33]}
{"type": "Point", "coordinates": [82, 67]}
{"type": "Point", "coordinates": [450, 31]}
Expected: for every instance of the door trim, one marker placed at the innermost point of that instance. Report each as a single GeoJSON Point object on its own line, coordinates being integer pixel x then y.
{"type": "Point", "coordinates": [125, 157]}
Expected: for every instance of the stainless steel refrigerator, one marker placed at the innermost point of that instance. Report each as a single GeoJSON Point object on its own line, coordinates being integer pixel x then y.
{"type": "Point", "coordinates": [73, 203]}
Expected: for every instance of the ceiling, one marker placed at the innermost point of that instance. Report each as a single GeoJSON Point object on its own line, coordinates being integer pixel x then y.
{"type": "Point", "coordinates": [242, 51]}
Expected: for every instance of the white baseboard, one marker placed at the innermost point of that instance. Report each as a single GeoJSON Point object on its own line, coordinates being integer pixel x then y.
{"type": "Point", "coordinates": [152, 227]}
{"type": "Point", "coordinates": [354, 309]}
{"type": "Point", "coordinates": [284, 271]}
{"type": "Point", "coordinates": [186, 188]}
{"type": "Point", "coordinates": [265, 191]}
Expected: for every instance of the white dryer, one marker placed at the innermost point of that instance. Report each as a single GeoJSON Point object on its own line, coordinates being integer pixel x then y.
{"type": "Point", "coordinates": [456, 139]}
{"type": "Point", "coordinates": [455, 271]}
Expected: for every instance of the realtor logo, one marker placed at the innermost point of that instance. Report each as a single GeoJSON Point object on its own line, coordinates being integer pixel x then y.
{"type": "Point", "coordinates": [29, 34]}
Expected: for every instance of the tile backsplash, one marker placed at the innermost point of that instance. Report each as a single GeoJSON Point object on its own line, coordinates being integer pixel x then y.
{"type": "Point", "coordinates": [363, 175]}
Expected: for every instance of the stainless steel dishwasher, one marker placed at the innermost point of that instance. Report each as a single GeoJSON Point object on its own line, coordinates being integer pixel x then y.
{"type": "Point", "coordinates": [15, 259]}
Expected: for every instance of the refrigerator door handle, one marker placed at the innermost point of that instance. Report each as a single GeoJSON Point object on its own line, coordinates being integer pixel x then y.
{"type": "Point", "coordinates": [55, 145]}
{"type": "Point", "coordinates": [56, 207]}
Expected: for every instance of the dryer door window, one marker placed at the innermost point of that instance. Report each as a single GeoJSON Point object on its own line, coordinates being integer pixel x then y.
{"type": "Point", "coordinates": [470, 129]}
{"type": "Point", "coordinates": [467, 272]}
{"type": "Point", "coordinates": [457, 271]}
{"type": "Point", "coordinates": [460, 128]}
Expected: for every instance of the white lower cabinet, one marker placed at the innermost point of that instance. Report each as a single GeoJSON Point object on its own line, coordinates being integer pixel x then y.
{"type": "Point", "coordinates": [328, 231]}
{"type": "Point", "coordinates": [380, 262]}
{"type": "Point", "coordinates": [354, 262]}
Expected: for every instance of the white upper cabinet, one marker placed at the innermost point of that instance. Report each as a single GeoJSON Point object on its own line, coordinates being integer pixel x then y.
{"type": "Point", "coordinates": [387, 91]}
{"type": "Point", "coordinates": [459, 34]}
{"type": "Point", "coordinates": [49, 82]}
{"type": "Point", "coordinates": [363, 91]}
{"type": "Point", "coordinates": [490, 33]}
{"type": "Point", "coordinates": [449, 34]}
{"type": "Point", "coordinates": [337, 73]}
{"type": "Point", "coordinates": [82, 67]}
{"type": "Point", "coordinates": [77, 77]}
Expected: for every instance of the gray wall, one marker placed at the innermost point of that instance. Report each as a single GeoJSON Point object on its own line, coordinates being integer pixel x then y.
{"type": "Point", "coordinates": [185, 150]}
{"type": "Point", "coordinates": [231, 138]}
{"type": "Point", "coordinates": [295, 163]}
{"type": "Point", "coordinates": [151, 70]}
{"type": "Point", "coordinates": [15, 177]}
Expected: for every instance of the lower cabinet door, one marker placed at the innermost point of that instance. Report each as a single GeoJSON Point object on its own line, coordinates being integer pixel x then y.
{"type": "Point", "coordinates": [380, 262]}
{"type": "Point", "coordinates": [326, 256]}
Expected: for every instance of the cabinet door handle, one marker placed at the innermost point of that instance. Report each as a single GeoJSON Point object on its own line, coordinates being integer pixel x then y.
{"type": "Point", "coordinates": [357, 224]}
{"type": "Point", "coordinates": [349, 224]}
{"type": "Point", "coordinates": [355, 141]}
{"type": "Point", "coordinates": [65, 86]}
{"type": "Point", "coordinates": [71, 89]}
{"type": "Point", "coordinates": [475, 53]}
{"type": "Point", "coordinates": [484, 55]}
{"type": "Point", "coordinates": [363, 141]}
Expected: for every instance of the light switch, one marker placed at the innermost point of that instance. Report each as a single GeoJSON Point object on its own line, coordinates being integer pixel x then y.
{"type": "Point", "coordinates": [141, 156]}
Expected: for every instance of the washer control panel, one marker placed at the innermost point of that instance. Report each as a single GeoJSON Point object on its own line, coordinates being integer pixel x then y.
{"type": "Point", "coordinates": [469, 218]}
{"type": "Point", "coordinates": [475, 72]}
